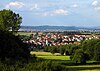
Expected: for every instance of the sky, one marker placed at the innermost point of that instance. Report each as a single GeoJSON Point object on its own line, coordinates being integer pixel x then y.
{"type": "Point", "coordinates": [84, 13]}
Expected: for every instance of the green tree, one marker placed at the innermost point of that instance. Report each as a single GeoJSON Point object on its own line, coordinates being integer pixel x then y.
{"type": "Point", "coordinates": [79, 56]}
{"type": "Point", "coordinates": [62, 50]}
{"type": "Point", "coordinates": [73, 48]}
{"type": "Point", "coordinates": [9, 20]}
{"type": "Point", "coordinates": [97, 52]}
{"type": "Point", "coordinates": [53, 49]}
{"type": "Point", "coordinates": [88, 47]}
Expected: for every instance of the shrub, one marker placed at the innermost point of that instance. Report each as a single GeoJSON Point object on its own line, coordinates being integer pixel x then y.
{"type": "Point", "coordinates": [50, 66]}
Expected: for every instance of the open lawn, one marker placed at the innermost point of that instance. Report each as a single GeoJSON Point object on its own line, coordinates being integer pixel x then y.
{"type": "Point", "coordinates": [65, 60]}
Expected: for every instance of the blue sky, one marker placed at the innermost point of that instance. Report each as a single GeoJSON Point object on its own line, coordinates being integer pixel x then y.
{"type": "Point", "coordinates": [56, 12]}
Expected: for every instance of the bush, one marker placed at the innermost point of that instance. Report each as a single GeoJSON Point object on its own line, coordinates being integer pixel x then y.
{"type": "Point", "coordinates": [49, 66]}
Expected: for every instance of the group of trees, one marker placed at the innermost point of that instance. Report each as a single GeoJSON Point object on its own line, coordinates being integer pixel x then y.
{"type": "Point", "coordinates": [88, 50]}
{"type": "Point", "coordinates": [63, 49]}
{"type": "Point", "coordinates": [11, 46]}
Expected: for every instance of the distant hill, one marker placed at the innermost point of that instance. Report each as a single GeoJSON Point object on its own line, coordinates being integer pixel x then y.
{"type": "Point", "coordinates": [55, 28]}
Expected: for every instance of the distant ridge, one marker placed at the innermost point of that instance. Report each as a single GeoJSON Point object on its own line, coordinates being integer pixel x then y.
{"type": "Point", "coordinates": [55, 28]}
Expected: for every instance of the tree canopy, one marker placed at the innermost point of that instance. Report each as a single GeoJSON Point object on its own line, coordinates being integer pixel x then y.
{"type": "Point", "coordinates": [79, 56]}
{"type": "Point", "coordinates": [9, 21]}
{"type": "Point", "coordinates": [97, 52]}
{"type": "Point", "coordinates": [89, 46]}
{"type": "Point", "coordinates": [11, 47]}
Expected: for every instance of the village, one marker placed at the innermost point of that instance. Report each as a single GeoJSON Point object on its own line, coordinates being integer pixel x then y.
{"type": "Point", "coordinates": [42, 39]}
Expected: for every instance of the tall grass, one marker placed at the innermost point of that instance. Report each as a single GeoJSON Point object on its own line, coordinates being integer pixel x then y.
{"type": "Point", "coordinates": [47, 65]}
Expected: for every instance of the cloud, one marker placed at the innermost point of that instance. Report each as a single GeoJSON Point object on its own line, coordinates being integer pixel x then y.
{"type": "Point", "coordinates": [35, 6]}
{"type": "Point", "coordinates": [95, 3]}
{"type": "Point", "coordinates": [14, 5]}
{"type": "Point", "coordinates": [74, 5]}
{"type": "Point", "coordinates": [55, 12]}
{"type": "Point", "coordinates": [61, 11]}
{"type": "Point", "coordinates": [97, 8]}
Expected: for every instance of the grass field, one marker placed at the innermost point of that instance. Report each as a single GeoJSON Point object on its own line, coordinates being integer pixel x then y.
{"type": "Point", "coordinates": [44, 53]}
{"type": "Point", "coordinates": [85, 67]}
{"type": "Point", "coordinates": [47, 55]}
{"type": "Point", "coordinates": [55, 57]}
{"type": "Point", "coordinates": [65, 60]}
{"type": "Point", "coordinates": [26, 33]}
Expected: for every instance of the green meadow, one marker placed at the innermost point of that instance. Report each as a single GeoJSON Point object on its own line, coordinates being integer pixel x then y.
{"type": "Point", "coordinates": [25, 33]}
{"type": "Point", "coordinates": [48, 55]}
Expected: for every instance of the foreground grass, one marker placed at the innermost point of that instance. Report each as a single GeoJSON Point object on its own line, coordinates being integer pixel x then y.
{"type": "Point", "coordinates": [85, 67]}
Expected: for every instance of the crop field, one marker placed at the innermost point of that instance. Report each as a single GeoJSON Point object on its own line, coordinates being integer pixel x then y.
{"type": "Point", "coordinates": [65, 60]}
